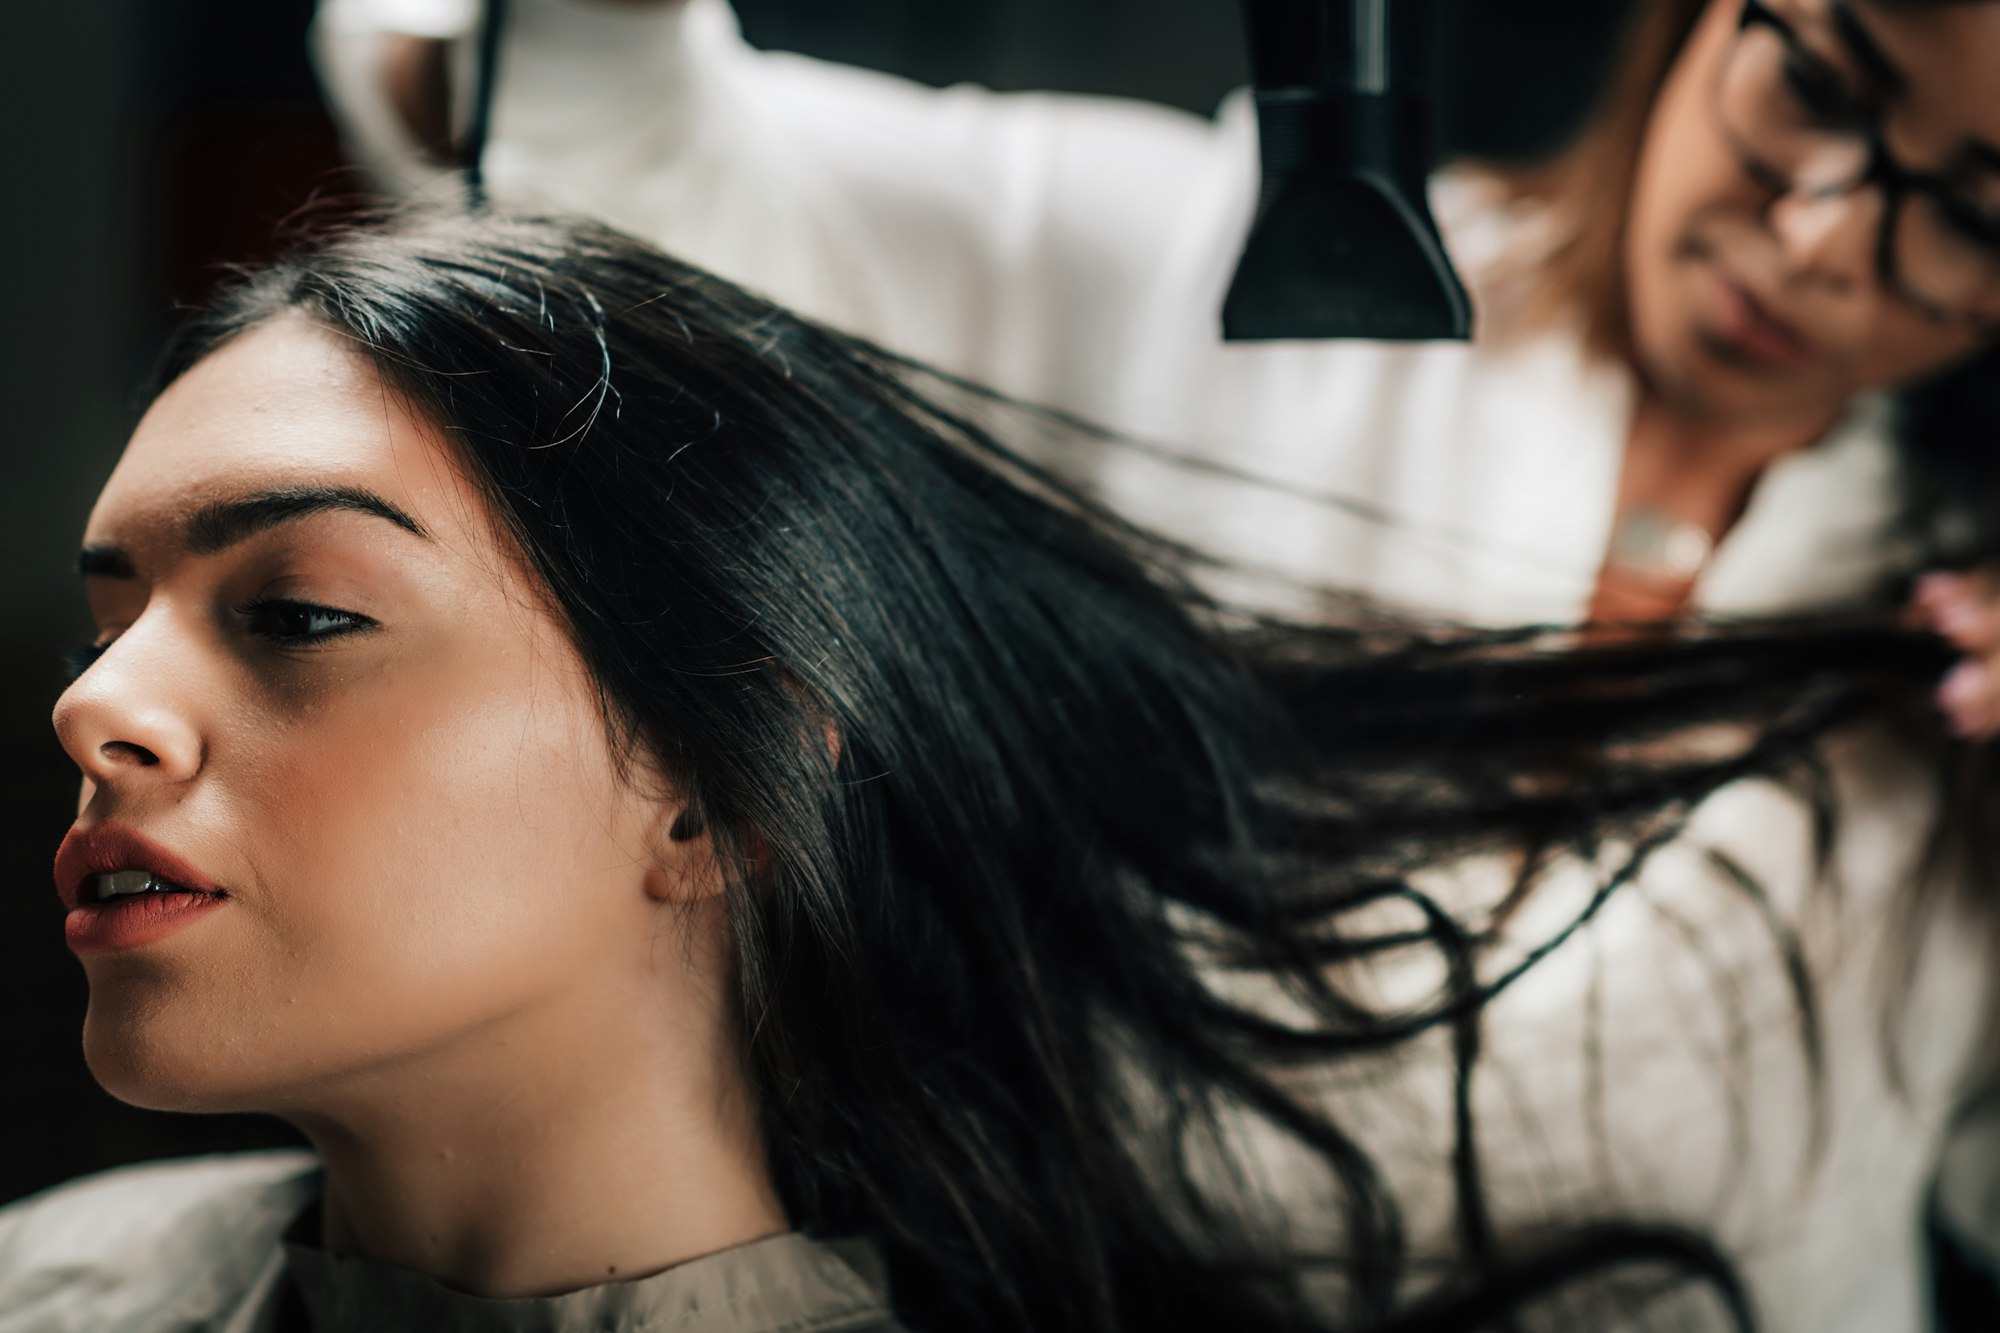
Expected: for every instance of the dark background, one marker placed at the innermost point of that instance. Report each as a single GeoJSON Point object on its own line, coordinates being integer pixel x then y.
{"type": "Point", "coordinates": [150, 141]}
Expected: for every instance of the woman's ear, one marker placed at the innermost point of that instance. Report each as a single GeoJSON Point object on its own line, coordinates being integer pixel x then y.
{"type": "Point", "coordinates": [685, 867]}
{"type": "Point", "coordinates": [687, 826]}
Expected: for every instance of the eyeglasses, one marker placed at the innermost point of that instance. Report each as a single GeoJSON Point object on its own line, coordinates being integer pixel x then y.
{"type": "Point", "coordinates": [1803, 125]}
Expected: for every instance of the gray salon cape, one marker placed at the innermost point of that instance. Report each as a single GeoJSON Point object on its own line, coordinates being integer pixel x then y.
{"type": "Point", "coordinates": [224, 1245]}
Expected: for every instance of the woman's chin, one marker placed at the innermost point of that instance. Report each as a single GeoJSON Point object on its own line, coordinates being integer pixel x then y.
{"type": "Point", "coordinates": [151, 1062]}
{"type": "Point", "coordinates": [1703, 377]}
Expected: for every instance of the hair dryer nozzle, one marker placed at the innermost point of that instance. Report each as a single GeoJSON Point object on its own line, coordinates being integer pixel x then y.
{"type": "Point", "coordinates": [1349, 256]}
{"type": "Point", "coordinates": [1344, 245]}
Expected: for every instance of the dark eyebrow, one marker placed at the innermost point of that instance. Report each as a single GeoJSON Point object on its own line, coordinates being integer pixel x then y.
{"type": "Point", "coordinates": [1867, 52]}
{"type": "Point", "coordinates": [105, 562]}
{"type": "Point", "coordinates": [221, 524]}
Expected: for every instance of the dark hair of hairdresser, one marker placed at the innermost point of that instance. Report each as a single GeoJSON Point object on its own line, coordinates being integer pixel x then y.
{"type": "Point", "coordinates": [967, 929]}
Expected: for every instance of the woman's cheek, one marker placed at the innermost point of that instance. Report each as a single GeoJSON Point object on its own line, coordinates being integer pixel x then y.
{"type": "Point", "coordinates": [1907, 349]}
{"type": "Point", "coordinates": [437, 829]}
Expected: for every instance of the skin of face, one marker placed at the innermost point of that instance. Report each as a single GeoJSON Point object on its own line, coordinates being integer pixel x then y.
{"type": "Point", "coordinates": [460, 950]}
{"type": "Point", "coordinates": [1699, 221]}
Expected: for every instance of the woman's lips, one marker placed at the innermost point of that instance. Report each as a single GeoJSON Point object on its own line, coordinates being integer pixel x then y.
{"type": "Point", "coordinates": [1751, 333]}
{"type": "Point", "coordinates": [134, 920]}
{"type": "Point", "coordinates": [128, 920]}
{"type": "Point", "coordinates": [107, 848]}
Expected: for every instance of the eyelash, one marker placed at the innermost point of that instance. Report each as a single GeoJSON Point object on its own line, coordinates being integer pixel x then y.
{"type": "Point", "coordinates": [79, 660]}
{"type": "Point", "coordinates": [351, 622]}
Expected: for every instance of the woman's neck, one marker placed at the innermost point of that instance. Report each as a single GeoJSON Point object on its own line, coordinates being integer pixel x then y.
{"type": "Point", "coordinates": [1690, 450]}
{"type": "Point", "coordinates": [1684, 472]}
{"type": "Point", "coordinates": [574, 1149]}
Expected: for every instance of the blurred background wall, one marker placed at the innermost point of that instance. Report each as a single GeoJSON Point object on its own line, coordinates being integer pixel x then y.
{"type": "Point", "coordinates": [150, 141]}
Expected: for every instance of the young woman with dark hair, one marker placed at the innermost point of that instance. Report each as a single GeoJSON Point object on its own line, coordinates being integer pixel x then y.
{"type": "Point", "coordinates": [698, 835]}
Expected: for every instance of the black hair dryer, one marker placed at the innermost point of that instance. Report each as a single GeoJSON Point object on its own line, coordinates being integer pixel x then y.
{"type": "Point", "coordinates": [1344, 244]}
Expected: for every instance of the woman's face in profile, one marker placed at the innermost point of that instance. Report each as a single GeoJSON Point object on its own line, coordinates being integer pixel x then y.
{"type": "Point", "coordinates": [1751, 303]}
{"type": "Point", "coordinates": [327, 686]}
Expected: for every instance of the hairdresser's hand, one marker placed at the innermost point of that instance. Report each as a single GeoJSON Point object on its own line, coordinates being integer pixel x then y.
{"type": "Point", "coordinates": [1965, 608]}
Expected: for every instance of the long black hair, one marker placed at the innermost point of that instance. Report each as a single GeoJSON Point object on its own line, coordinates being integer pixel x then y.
{"type": "Point", "coordinates": [1012, 803]}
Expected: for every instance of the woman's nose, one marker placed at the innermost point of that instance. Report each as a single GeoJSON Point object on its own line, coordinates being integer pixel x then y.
{"type": "Point", "coordinates": [122, 725]}
{"type": "Point", "coordinates": [1832, 240]}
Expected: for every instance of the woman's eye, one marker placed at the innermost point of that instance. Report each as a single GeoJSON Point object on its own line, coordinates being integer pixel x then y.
{"type": "Point", "coordinates": [1824, 95]}
{"type": "Point", "coordinates": [78, 660]}
{"type": "Point", "coordinates": [288, 624]}
{"type": "Point", "coordinates": [294, 624]}
{"type": "Point", "coordinates": [1972, 225]}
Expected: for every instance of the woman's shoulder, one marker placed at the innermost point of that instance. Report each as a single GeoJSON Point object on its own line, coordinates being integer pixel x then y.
{"type": "Point", "coordinates": [87, 1252]}
{"type": "Point", "coordinates": [129, 1201]}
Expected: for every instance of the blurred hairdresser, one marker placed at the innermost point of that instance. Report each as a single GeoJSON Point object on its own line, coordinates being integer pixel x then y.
{"type": "Point", "coordinates": [1685, 326]}
{"type": "Point", "coordinates": [1736, 354]}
